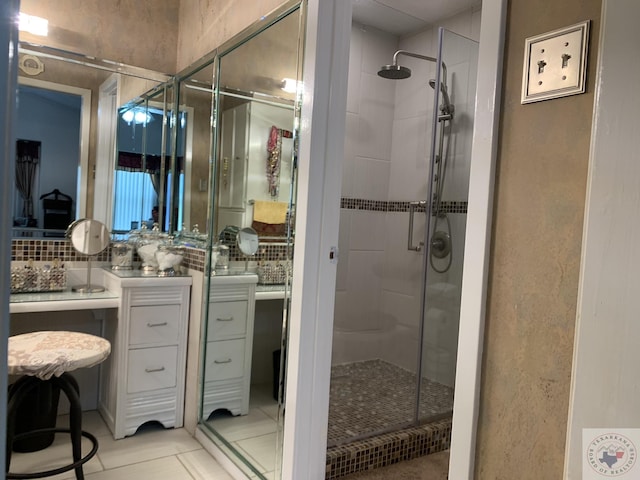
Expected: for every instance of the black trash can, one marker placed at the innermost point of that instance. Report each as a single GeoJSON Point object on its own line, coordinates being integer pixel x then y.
{"type": "Point", "coordinates": [38, 410]}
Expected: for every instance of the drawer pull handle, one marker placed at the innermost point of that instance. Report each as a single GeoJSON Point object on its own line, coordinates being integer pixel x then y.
{"type": "Point", "coordinates": [151, 370]}
{"type": "Point", "coordinates": [162, 324]}
{"type": "Point", "coordinates": [230, 319]}
{"type": "Point", "coordinates": [228, 360]}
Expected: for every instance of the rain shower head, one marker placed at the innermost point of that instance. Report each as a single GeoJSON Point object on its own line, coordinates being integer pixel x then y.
{"type": "Point", "coordinates": [394, 72]}
{"type": "Point", "coordinates": [398, 72]}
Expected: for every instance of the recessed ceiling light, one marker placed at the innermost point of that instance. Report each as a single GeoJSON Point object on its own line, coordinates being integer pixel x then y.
{"type": "Point", "coordinates": [32, 24]}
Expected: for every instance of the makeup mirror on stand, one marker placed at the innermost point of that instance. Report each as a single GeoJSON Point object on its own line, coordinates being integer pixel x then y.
{"type": "Point", "coordinates": [88, 237]}
{"type": "Point", "coordinates": [247, 240]}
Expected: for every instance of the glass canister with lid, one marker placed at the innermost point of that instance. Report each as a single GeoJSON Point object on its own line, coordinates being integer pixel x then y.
{"type": "Point", "coordinates": [147, 245]}
{"type": "Point", "coordinates": [169, 256]}
{"type": "Point", "coordinates": [121, 256]}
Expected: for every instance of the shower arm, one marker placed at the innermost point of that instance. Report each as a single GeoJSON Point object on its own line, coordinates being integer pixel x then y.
{"type": "Point", "coordinates": [410, 54]}
{"type": "Point", "coordinates": [422, 57]}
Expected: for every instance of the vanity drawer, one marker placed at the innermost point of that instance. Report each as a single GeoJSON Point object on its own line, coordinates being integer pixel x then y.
{"type": "Point", "coordinates": [225, 360]}
{"type": "Point", "coordinates": [154, 324]}
{"type": "Point", "coordinates": [151, 369]}
{"type": "Point", "coordinates": [227, 320]}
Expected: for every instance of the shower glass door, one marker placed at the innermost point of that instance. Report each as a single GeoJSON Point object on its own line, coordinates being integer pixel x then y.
{"type": "Point", "coordinates": [402, 226]}
{"type": "Point", "coordinates": [451, 163]}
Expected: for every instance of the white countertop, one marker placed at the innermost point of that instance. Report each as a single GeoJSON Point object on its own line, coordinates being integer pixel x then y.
{"type": "Point", "coordinates": [269, 292]}
{"type": "Point", "coordinates": [70, 300]}
{"type": "Point", "coordinates": [61, 301]}
{"type": "Point", "coordinates": [138, 278]}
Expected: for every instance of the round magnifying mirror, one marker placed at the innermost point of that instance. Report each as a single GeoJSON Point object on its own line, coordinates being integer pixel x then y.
{"type": "Point", "coordinates": [247, 240]}
{"type": "Point", "coordinates": [88, 237]}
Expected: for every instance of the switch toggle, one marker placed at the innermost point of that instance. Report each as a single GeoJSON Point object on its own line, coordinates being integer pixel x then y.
{"type": "Point", "coordinates": [555, 63]}
{"type": "Point", "coordinates": [541, 65]}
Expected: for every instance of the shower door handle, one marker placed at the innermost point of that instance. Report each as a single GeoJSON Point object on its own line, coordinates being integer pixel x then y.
{"type": "Point", "coordinates": [412, 211]}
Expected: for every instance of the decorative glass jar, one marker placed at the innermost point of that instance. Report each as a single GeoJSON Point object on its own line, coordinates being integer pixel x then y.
{"type": "Point", "coordinates": [147, 245]}
{"type": "Point", "coordinates": [169, 257]}
{"type": "Point", "coordinates": [121, 256]}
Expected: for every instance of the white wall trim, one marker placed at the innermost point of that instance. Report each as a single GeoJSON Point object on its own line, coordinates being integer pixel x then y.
{"type": "Point", "coordinates": [326, 60]}
{"type": "Point", "coordinates": [604, 380]}
{"type": "Point", "coordinates": [478, 240]}
{"type": "Point", "coordinates": [8, 91]}
{"type": "Point", "coordinates": [105, 153]}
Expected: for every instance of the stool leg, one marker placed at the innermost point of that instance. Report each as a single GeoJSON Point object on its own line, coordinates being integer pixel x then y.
{"type": "Point", "coordinates": [17, 392]}
{"type": "Point", "coordinates": [70, 387]}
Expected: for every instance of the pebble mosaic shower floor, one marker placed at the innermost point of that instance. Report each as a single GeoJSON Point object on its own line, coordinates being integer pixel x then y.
{"type": "Point", "coordinates": [372, 396]}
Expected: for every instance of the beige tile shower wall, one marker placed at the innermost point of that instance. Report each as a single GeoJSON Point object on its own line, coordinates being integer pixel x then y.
{"type": "Point", "coordinates": [206, 24]}
{"type": "Point", "coordinates": [535, 255]}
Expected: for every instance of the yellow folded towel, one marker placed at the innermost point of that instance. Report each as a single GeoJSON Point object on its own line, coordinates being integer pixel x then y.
{"type": "Point", "coordinates": [270, 212]}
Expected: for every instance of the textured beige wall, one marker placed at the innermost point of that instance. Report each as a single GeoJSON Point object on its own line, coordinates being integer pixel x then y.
{"type": "Point", "coordinates": [207, 24]}
{"type": "Point", "coordinates": [143, 33]}
{"type": "Point", "coordinates": [535, 257]}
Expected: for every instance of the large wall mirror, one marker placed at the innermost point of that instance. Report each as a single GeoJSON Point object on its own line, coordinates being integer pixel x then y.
{"type": "Point", "coordinates": [257, 101]}
{"type": "Point", "coordinates": [153, 163]}
{"type": "Point", "coordinates": [64, 144]}
{"type": "Point", "coordinates": [195, 94]}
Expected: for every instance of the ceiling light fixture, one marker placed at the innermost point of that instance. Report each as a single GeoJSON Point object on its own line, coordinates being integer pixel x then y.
{"type": "Point", "coordinates": [290, 85]}
{"type": "Point", "coordinates": [136, 116]}
{"type": "Point", "coordinates": [32, 24]}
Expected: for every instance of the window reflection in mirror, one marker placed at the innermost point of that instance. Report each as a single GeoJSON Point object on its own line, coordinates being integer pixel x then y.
{"type": "Point", "coordinates": [150, 163]}
{"type": "Point", "coordinates": [136, 168]}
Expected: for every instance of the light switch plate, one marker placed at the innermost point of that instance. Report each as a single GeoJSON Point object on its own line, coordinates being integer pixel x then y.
{"type": "Point", "coordinates": [555, 63]}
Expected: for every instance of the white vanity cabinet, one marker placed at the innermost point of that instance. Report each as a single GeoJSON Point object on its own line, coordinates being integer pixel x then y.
{"type": "Point", "coordinates": [144, 378]}
{"type": "Point", "coordinates": [229, 334]}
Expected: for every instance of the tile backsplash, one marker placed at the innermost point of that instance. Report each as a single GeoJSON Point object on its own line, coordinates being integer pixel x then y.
{"type": "Point", "coordinates": [48, 250]}
{"type": "Point", "coordinates": [41, 250]}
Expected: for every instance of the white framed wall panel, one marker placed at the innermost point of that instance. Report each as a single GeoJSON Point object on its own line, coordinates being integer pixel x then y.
{"type": "Point", "coordinates": [604, 381]}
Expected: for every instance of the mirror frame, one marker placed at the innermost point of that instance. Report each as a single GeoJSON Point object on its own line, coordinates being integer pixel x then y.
{"type": "Point", "coordinates": [287, 8]}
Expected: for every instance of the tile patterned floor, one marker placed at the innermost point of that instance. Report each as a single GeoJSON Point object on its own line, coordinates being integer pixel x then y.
{"type": "Point", "coordinates": [255, 435]}
{"type": "Point", "coordinates": [374, 395]}
{"type": "Point", "coordinates": [152, 454]}
{"type": "Point", "coordinates": [358, 392]}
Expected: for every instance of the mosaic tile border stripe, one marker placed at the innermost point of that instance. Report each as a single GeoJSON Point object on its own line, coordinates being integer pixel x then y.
{"type": "Point", "coordinates": [267, 251]}
{"type": "Point", "coordinates": [396, 206]}
{"type": "Point", "coordinates": [388, 449]}
{"type": "Point", "coordinates": [48, 250]}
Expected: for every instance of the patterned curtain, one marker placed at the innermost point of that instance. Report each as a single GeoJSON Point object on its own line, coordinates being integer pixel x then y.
{"type": "Point", "coordinates": [27, 159]}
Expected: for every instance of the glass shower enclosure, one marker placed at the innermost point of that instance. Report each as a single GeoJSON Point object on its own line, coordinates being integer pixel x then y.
{"type": "Point", "coordinates": [402, 232]}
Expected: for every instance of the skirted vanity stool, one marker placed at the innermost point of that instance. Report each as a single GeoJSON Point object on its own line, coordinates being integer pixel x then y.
{"type": "Point", "coordinates": [44, 359]}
